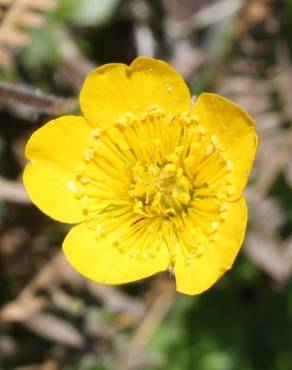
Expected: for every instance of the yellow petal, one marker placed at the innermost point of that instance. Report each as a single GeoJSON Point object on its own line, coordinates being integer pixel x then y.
{"type": "Point", "coordinates": [235, 130]}
{"type": "Point", "coordinates": [114, 89]}
{"type": "Point", "coordinates": [202, 272]}
{"type": "Point", "coordinates": [99, 259]}
{"type": "Point", "coordinates": [55, 151]}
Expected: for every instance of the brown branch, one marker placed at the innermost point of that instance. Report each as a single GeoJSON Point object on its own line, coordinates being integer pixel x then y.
{"type": "Point", "coordinates": [35, 100]}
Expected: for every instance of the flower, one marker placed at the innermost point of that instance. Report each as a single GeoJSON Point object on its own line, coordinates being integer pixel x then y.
{"type": "Point", "coordinates": [153, 179]}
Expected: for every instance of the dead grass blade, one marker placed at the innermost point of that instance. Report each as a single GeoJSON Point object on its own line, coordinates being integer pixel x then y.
{"type": "Point", "coordinates": [15, 18]}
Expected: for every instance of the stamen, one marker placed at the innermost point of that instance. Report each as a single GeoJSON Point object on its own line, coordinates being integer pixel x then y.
{"type": "Point", "coordinates": [153, 172]}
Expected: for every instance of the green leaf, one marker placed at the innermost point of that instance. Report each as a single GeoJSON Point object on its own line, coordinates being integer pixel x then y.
{"type": "Point", "coordinates": [44, 46]}
{"type": "Point", "coordinates": [87, 12]}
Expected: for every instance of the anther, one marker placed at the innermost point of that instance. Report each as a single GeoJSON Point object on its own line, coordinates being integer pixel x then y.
{"type": "Point", "coordinates": [188, 260]}
{"type": "Point", "coordinates": [199, 251]}
{"type": "Point", "coordinates": [209, 149]}
{"type": "Point", "coordinates": [131, 118]}
{"type": "Point", "coordinates": [121, 121]}
{"type": "Point", "coordinates": [229, 165]}
{"type": "Point", "coordinates": [138, 206]}
{"type": "Point", "coordinates": [224, 206]}
{"type": "Point", "coordinates": [214, 226]}
{"type": "Point", "coordinates": [221, 196]}
{"type": "Point", "coordinates": [84, 201]}
{"type": "Point", "coordinates": [152, 254]}
{"type": "Point", "coordinates": [170, 212]}
{"type": "Point", "coordinates": [88, 155]}
{"type": "Point", "coordinates": [93, 144]}
{"type": "Point", "coordinates": [214, 237]}
{"type": "Point", "coordinates": [99, 231]}
{"type": "Point", "coordinates": [184, 116]}
{"type": "Point", "coordinates": [172, 158]}
{"type": "Point", "coordinates": [195, 118]}
{"type": "Point", "coordinates": [79, 170]}
{"type": "Point", "coordinates": [183, 197]}
{"type": "Point", "coordinates": [185, 183]}
{"type": "Point", "coordinates": [223, 215]}
{"type": "Point", "coordinates": [77, 190]}
{"type": "Point", "coordinates": [229, 190]}
{"type": "Point", "coordinates": [95, 133]}
{"type": "Point", "coordinates": [201, 130]}
{"type": "Point", "coordinates": [215, 141]}
{"type": "Point", "coordinates": [196, 252]}
{"type": "Point", "coordinates": [71, 186]}
{"type": "Point", "coordinates": [169, 118]}
{"type": "Point", "coordinates": [170, 168]}
{"type": "Point", "coordinates": [151, 112]}
{"type": "Point", "coordinates": [84, 180]}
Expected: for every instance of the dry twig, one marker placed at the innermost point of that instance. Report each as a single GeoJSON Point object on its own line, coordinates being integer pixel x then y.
{"type": "Point", "coordinates": [13, 191]}
{"type": "Point", "coordinates": [205, 17]}
{"type": "Point", "coordinates": [264, 245]}
{"type": "Point", "coordinates": [75, 66]}
{"type": "Point", "coordinates": [56, 270]}
{"type": "Point", "coordinates": [33, 100]}
{"type": "Point", "coordinates": [148, 326]}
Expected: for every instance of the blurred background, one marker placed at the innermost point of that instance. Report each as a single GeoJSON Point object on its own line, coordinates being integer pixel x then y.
{"type": "Point", "coordinates": [53, 319]}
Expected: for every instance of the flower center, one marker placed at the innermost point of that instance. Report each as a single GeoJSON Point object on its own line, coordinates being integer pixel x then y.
{"type": "Point", "coordinates": [160, 189]}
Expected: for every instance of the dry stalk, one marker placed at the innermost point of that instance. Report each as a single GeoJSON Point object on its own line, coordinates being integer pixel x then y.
{"type": "Point", "coordinates": [58, 270]}
{"type": "Point", "coordinates": [13, 191]}
{"type": "Point", "coordinates": [147, 328]}
{"type": "Point", "coordinates": [33, 100]}
{"type": "Point", "coordinates": [205, 17]}
{"type": "Point", "coordinates": [15, 17]}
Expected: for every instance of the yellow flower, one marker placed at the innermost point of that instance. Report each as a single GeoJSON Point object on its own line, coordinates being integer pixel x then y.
{"type": "Point", "coordinates": [153, 179]}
